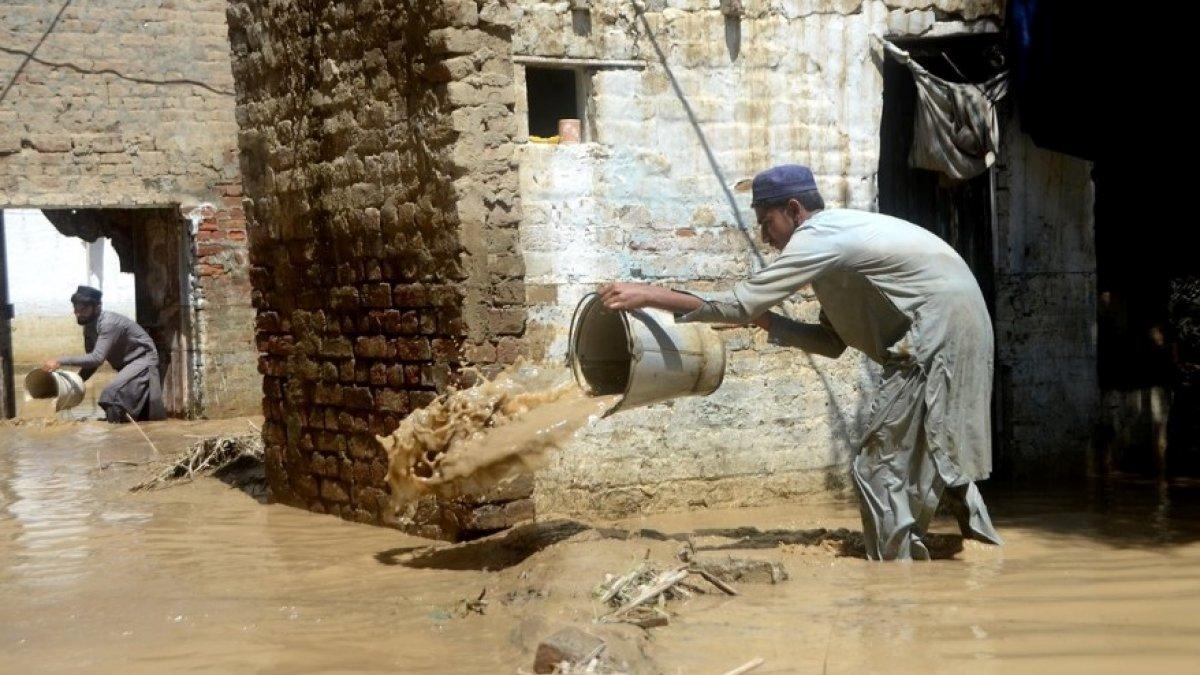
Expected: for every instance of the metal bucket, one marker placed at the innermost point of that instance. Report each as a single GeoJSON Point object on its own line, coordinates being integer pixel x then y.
{"type": "Point", "coordinates": [63, 385]}
{"type": "Point", "coordinates": [642, 354]}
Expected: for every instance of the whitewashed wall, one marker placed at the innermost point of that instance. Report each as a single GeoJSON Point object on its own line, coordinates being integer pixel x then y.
{"type": "Point", "coordinates": [789, 82]}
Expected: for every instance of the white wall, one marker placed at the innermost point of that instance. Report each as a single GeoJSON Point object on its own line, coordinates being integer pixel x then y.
{"type": "Point", "coordinates": [44, 267]}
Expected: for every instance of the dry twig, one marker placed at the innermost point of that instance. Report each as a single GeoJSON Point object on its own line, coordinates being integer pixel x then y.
{"type": "Point", "coordinates": [747, 666]}
{"type": "Point", "coordinates": [210, 456]}
{"type": "Point", "coordinates": [139, 430]}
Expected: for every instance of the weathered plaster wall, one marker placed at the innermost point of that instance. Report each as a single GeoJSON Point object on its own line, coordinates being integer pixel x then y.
{"type": "Point", "coordinates": [1045, 319]}
{"type": "Point", "coordinates": [785, 82]}
{"type": "Point", "coordinates": [129, 104]}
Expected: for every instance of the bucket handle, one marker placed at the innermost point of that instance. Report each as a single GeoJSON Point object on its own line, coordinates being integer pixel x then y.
{"type": "Point", "coordinates": [573, 346]}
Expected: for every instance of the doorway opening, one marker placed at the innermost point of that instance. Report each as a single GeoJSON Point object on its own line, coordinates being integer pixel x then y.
{"type": "Point", "coordinates": [140, 258]}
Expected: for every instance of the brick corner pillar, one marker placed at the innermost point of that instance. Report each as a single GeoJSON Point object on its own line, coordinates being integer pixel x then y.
{"type": "Point", "coordinates": [222, 339]}
{"type": "Point", "coordinates": [381, 207]}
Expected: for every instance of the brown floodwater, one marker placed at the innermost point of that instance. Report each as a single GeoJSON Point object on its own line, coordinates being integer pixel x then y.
{"type": "Point", "coordinates": [201, 577]}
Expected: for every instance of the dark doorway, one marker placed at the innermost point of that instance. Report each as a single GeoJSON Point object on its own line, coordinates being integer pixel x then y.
{"type": "Point", "coordinates": [960, 212]}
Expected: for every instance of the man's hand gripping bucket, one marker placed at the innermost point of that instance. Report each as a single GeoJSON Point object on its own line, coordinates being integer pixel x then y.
{"type": "Point", "coordinates": [642, 354]}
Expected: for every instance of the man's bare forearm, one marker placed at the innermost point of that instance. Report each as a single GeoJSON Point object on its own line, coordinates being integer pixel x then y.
{"type": "Point", "coordinates": [629, 296]}
{"type": "Point", "coordinates": [674, 301]}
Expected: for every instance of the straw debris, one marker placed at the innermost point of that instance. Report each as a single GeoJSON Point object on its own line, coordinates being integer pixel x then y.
{"type": "Point", "coordinates": [217, 456]}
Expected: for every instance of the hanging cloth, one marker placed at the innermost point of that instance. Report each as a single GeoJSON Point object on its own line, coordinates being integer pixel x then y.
{"type": "Point", "coordinates": [956, 130]}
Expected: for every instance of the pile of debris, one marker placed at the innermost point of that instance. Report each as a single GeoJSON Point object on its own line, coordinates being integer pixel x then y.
{"type": "Point", "coordinates": [237, 459]}
{"type": "Point", "coordinates": [639, 597]}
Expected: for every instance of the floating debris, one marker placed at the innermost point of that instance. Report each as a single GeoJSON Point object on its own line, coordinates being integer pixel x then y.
{"type": "Point", "coordinates": [210, 457]}
{"type": "Point", "coordinates": [571, 651]}
{"type": "Point", "coordinates": [467, 606]}
{"type": "Point", "coordinates": [740, 570]}
{"type": "Point", "coordinates": [747, 666]}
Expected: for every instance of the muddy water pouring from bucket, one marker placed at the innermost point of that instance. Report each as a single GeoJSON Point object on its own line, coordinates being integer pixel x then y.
{"type": "Point", "coordinates": [469, 440]}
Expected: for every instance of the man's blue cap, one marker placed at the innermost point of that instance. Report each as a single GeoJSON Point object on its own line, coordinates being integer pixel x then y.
{"type": "Point", "coordinates": [781, 182]}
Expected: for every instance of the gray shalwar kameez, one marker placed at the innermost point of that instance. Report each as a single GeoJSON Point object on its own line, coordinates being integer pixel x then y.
{"type": "Point", "coordinates": [907, 300]}
{"type": "Point", "coordinates": [130, 351]}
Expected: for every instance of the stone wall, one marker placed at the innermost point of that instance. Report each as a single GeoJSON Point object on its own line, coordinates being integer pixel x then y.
{"type": "Point", "coordinates": [129, 104]}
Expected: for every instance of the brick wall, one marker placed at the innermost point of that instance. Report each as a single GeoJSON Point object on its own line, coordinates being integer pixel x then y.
{"type": "Point", "coordinates": [377, 157]}
{"type": "Point", "coordinates": [128, 104]}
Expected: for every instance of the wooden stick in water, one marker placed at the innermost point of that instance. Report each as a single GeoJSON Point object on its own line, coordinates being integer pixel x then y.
{"type": "Point", "coordinates": [712, 579]}
{"type": "Point", "coordinates": [746, 667]}
{"type": "Point", "coordinates": [139, 430]}
{"type": "Point", "coordinates": [663, 582]}
{"type": "Point", "coordinates": [619, 584]}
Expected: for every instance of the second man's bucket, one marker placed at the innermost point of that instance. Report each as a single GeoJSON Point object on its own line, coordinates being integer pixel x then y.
{"type": "Point", "coordinates": [64, 386]}
{"type": "Point", "coordinates": [642, 354]}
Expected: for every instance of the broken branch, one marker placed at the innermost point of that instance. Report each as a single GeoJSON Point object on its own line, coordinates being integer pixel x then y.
{"type": "Point", "coordinates": [139, 430]}
{"type": "Point", "coordinates": [665, 580]}
{"type": "Point", "coordinates": [715, 581]}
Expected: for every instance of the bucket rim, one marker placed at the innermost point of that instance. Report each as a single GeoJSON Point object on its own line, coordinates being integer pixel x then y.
{"type": "Point", "coordinates": [68, 387]}
{"type": "Point", "coordinates": [37, 377]}
{"type": "Point", "coordinates": [585, 305]}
